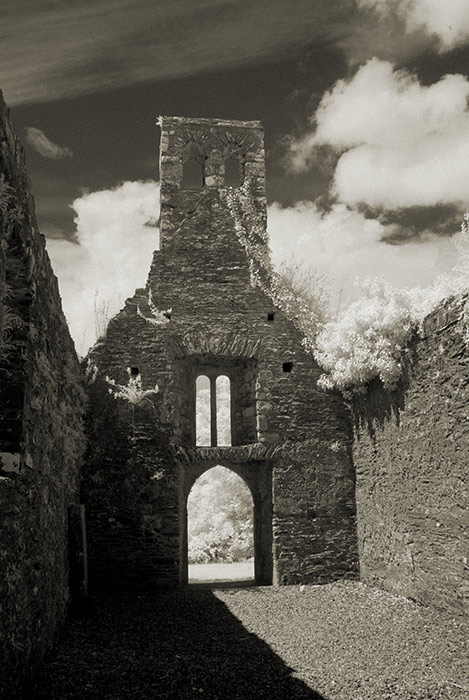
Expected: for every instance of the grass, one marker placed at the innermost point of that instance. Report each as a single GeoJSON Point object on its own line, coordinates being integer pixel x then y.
{"type": "Point", "coordinates": [235, 571]}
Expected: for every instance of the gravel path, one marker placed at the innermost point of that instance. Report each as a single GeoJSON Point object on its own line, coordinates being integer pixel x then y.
{"type": "Point", "coordinates": [342, 641]}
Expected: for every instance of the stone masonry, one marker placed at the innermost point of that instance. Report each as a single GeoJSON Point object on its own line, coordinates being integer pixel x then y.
{"type": "Point", "coordinates": [41, 432]}
{"type": "Point", "coordinates": [205, 311]}
{"type": "Point", "coordinates": [410, 454]}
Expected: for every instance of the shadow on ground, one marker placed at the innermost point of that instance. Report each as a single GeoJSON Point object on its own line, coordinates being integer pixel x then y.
{"type": "Point", "coordinates": [180, 644]}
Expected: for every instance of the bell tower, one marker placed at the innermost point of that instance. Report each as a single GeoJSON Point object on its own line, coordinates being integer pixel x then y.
{"type": "Point", "coordinates": [205, 158]}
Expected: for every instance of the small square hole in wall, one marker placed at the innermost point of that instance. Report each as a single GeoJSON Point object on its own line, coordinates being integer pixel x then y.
{"type": "Point", "coordinates": [134, 371]}
{"type": "Point", "coordinates": [271, 316]}
{"type": "Point", "coordinates": [287, 366]}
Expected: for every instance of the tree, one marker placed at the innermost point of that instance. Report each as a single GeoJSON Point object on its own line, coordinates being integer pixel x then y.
{"type": "Point", "coordinates": [220, 518]}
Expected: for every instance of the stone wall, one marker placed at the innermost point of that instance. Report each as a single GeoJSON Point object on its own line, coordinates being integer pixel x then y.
{"type": "Point", "coordinates": [130, 488]}
{"type": "Point", "coordinates": [410, 456]}
{"type": "Point", "coordinates": [41, 431]}
{"type": "Point", "coordinates": [205, 310]}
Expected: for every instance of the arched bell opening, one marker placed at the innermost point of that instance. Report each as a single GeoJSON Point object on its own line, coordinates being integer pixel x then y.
{"type": "Point", "coordinates": [233, 172]}
{"type": "Point", "coordinates": [193, 167]}
{"type": "Point", "coordinates": [193, 176]}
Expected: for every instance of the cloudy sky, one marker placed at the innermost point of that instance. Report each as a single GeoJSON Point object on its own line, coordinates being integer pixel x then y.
{"type": "Point", "coordinates": [364, 105]}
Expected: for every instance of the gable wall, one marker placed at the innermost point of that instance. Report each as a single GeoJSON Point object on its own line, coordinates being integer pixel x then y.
{"type": "Point", "coordinates": [202, 272]}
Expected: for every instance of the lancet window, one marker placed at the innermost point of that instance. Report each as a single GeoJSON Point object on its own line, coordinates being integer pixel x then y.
{"type": "Point", "coordinates": [213, 410]}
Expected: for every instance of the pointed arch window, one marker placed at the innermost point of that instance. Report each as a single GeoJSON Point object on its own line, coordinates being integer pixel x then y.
{"type": "Point", "coordinates": [233, 175]}
{"type": "Point", "coordinates": [213, 410]}
{"type": "Point", "coordinates": [193, 168]}
{"type": "Point", "coordinates": [193, 174]}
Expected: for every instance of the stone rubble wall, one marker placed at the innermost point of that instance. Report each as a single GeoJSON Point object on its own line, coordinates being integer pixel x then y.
{"type": "Point", "coordinates": [411, 460]}
{"type": "Point", "coordinates": [41, 431]}
{"type": "Point", "coordinates": [130, 489]}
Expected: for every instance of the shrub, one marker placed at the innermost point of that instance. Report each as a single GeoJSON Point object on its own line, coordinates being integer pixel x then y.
{"type": "Point", "coordinates": [368, 338]}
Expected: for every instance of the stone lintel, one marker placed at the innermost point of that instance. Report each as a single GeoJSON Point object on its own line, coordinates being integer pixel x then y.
{"type": "Point", "coordinates": [255, 452]}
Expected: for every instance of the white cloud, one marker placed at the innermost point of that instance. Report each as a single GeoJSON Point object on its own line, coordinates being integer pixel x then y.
{"type": "Point", "coordinates": [344, 246]}
{"type": "Point", "coordinates": [447, 19]}
{"type": "Point", "coordinates": [112, 257]}
{"type": "Point", "coordinates": [405, 144]}
{"type": "Point", "coordinates": [39, 141]}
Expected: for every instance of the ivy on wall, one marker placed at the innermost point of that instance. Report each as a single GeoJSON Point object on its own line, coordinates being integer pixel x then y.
{"type": "Point", "coordinates": [249, 220]}
{"type": "Point", "coordinates": [9, 320]}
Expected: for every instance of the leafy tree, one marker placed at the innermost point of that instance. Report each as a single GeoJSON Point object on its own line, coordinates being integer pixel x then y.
{"type": "Point", "coordinates": [367, 338]}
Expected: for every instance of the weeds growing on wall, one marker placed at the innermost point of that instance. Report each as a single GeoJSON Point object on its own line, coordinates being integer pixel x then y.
{"type": "Point", "coordinates": [133, 391]}
{"type": "Point", "coordinates": [300, 292]}
{"type": "Point", "coordinates": [157, 317]}
{"type": "Point", "coordinates": [7, 195]}
{"type": "Point", "coordinates": [8, 322]}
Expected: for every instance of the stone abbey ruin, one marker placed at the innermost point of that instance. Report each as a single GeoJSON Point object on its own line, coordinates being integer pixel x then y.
{"type": "Point", "coordinates": [96, 465]}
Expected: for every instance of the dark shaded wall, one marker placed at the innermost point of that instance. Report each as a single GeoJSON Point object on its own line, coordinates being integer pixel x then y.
{"type": "Point", "coordinates": [293, 436]}
{"type": "Point", "coordinates": [411, 460]}
{"type": "Point", "coordinates": [130, 486]}
{"type": "Point", "coordinates": [41, 431]}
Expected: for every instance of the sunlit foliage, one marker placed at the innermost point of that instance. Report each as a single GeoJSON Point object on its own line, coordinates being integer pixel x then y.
{"type": "Point", "coordinates": [368, 338]}
{"type": "Point", "coordinates": [220, 518]}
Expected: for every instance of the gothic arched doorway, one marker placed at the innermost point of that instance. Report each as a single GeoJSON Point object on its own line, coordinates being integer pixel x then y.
{"type": "Point", "coordinates": [220, 528]}
{"type": "Point", "coordinates": [258, 479]}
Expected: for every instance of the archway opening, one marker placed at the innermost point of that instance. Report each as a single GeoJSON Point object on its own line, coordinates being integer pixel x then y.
{"type": "Point", "coordinates": [193, 174]}
{"type": "Point", "coordinates": [233, 177]}
{"type": "Point", "coordinates": [220, 528]}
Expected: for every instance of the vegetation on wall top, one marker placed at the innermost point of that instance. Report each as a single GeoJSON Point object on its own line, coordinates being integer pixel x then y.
{"type": "Point", "coordinates": [368, 339]}
{"type": "Point", "coordinates": [301, 294]}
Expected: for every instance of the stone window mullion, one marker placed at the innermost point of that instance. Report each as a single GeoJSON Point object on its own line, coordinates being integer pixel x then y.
{"type": "Point", "coordinates": [213, 412]}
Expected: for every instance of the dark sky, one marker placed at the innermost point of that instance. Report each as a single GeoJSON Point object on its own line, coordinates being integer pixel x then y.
{"type": "Point", "coordinates": [114, 137]}
{"type": "Point", "coordinates": [361, 124]}
{"type": "Point", "coordinates": [113, 134]}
